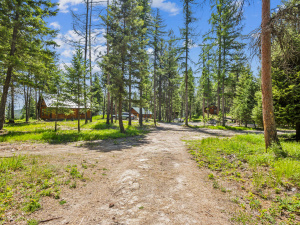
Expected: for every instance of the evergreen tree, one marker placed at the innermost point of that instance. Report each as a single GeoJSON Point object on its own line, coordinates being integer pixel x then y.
{"type": "Point", "coordinates": [74, 81]}
{"type": "Point", "coordinates": [257, 114]}
{"type": "Point", "coordinates": [244, 101]}
{"type": "Point", "coordinates": [187, 34]}
{"type": "Point", "coordinates": [27, 18]}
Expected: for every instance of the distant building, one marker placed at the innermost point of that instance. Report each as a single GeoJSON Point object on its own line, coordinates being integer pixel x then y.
{"type": "Point", "coordinates": [136, 112]}
{"type": "Point", "coordinates": [212, 109]}
{"type": "Point", "coordinates": [47, 109]}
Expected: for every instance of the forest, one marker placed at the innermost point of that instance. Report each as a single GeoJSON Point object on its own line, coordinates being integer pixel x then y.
{"type": "Point", "coordinates": [146, 77]}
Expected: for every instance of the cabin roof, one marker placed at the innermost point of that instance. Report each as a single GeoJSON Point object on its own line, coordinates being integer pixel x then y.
{"type": "Point", "coordinates": [148, 112]}
{"type": "Point", "coordinates": [52, 102]}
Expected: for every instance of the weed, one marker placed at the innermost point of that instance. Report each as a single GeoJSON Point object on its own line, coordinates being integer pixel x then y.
{"type": "Point", "coordinates": [236, 200]}
{"type": "Point", "coordinates": [62, 202]}
{"type": "Point", "coordinates": [211, 176]}
{"type": "Point", "coordinates": [32, 222]}
{"type": "Point", "coordinates": [84, 166]}
{"type": "Point", "coordinates": [74, 185]}
{"type": "Point", "coordinates": [32, 205]}
{"type": "Point", "coordinates": [216, 184]}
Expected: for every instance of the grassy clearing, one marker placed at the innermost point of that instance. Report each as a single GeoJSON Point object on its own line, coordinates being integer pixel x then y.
{"type": "Point", "coordinates": [24, 180]}
{"type": "Point", "coordinates": [41, 131]}
{"type": "Point", "coordinates": [267, 182]}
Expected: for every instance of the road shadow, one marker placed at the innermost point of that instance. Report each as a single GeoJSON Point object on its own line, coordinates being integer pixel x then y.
{"type": "Point", "coordinates": [118, 144]}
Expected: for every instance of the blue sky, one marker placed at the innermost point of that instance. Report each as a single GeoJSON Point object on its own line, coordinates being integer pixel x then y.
{"type": "Point", "coordinates": [171, 11]}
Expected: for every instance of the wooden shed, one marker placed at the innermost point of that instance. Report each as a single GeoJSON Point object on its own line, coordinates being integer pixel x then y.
{"type": "Point", "coordinates": [136, 111]}
{"type": "Point", "coordinates": [212, 110]}
{"type": "Point", "coordinates": [68, 110]}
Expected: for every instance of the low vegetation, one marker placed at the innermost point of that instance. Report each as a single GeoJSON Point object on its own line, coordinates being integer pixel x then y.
{"type": "Point", "coordinates": [267, 182]}
{"type": "Point", "coordinates": [217, 127]}
{"type": "Point", "coordinates": [25, 180]}
{"type": "Point", "coordinates": [43, 131]}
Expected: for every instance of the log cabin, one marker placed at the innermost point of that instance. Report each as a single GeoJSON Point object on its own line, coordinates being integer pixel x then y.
{"type": "Point", "coordinates": [67, 110]}
{"type": "Point", "coordinates": [136, 112]}
{"type": "Point", "coordinates": [212, 110]}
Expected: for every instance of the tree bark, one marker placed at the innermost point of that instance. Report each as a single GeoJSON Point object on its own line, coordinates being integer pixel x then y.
{"type": "Point", "coordinates": [141, 109]}
{"type": "Point", "coordinates": [12, 113]}
{"type": "Point", "coordinates": [122, 130]}
{"type": "Point", "coordinates": [85, 60]}
{"type": "Point", "coordinates": [90, 62]}
{"type": "Point", "coordinates": [112, 110]}
{"type": "Point", "coordinates": [108, 76]}
{"type": "Point", "coordinates": [266, 80]}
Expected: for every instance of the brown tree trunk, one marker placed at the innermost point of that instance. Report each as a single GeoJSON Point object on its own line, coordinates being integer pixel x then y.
{"type": "Point", "coordinates": [112, 110]}
{"type": "Point", "coordinates": [154, 88]}
{"type": "Point", "coordinates": [90, 62]}
{"type": "Point", "coordinates": [108, 75]}
{"type": "Point", "coordinates": [266, 80]}
{"type": "Point", "coordinates": [122, 130]}
{"type": "Point", "coordinates": [12, 113]}
{"type": "Point", "coordinates": [141, 109]}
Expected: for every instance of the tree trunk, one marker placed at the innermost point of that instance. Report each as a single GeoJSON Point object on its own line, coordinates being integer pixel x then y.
{"type": "Point", "coordinates": [129, 95]}
{"type": "Point", "coordinates": [104, 103]}
{"type": "Point", "coordinates": [116, 110]}
{"type": "Point", "coordinates": [108, 75]}
{"type": "Point", "coordinates": [186, 65]}
{"type": "Point", "coordinates": [112, 110]}
{"type": "Point", "coordinates": [266, 80]}
{"type": "Point", "coordinates": [90, 62]}
{"type": "Point", "coordinates": [141, 109]}
{"type": "Point", "coordinates": [122, 130]}
{"type": "Point", "coordinates": [85, 60]}
{"type": "Point", "coordinates": [203, 106]}
{"type": "Point", "coordinates": [159, 98]}
{"type": "Point", "coordinates": [12, 113]}
{"type": "Point", "coordinates": [223, 101]}
{"type": "Point", "coordinates": [8, 74]}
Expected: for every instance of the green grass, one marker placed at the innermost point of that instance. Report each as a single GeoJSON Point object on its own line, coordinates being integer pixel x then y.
{"type": "Point", "coordinates": [44, 131]}
{"type": "Point", "coordinates": [272, 173]}
{"type": "Point", "coordinates": [223, 127]}
{"type": "Point", "coordinates": [24, 180]}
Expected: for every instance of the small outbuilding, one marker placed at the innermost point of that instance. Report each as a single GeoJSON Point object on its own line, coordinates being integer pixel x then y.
{"type": "Point", "coordinates": [136, 112]}
{"type": "Point", "coordinates": [213, 110]}
{"type": "Point", "coordinates": [67, 110]}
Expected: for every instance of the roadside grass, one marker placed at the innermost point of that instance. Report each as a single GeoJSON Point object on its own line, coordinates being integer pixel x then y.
{"type": "Point", "coordinates": [41, 131]}
{"type": "Point", "coordinates": [24, 180]}
{"type": "Point", "coordinates": [223, 127]}
{"type": "Point", "coordinates": [268, 182]}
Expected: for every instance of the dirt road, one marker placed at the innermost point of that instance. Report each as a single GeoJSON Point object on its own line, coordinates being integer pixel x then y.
{"type": "Point", "coordinates": [138, 180]}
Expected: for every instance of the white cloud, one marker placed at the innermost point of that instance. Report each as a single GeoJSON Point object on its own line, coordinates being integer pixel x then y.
{"type": "Point", "coordinates": [167, 6]}
{"type": "Point", "coordinates": [55, 25]}
{"type": "Point", "coordinates": [67, 53]}
{"type": "Point", "coordinates": [65, 4]}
